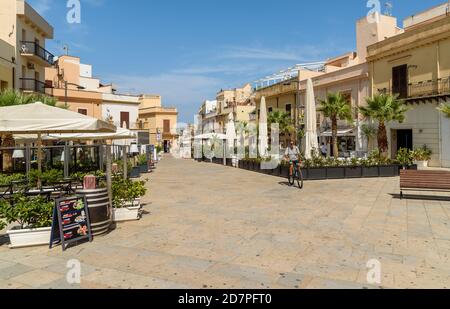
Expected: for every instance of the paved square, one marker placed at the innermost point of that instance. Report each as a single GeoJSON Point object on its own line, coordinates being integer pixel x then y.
{"type": "Point", "coordinates": [210, 226]}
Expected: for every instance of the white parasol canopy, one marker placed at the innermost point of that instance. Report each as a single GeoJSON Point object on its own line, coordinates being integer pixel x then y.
{"type": "Point", "coordinates": [211, 136]}
{"type": "Point", "coordinates": [231, 131]}
{"type": "Point", "coordinates": [263, 129]}
{"type": "Point", "coordinates": [311, 143]}
{"type": "Point", "coordinates": [121, 134]}
{"type": "Point", "coordinates": [40, 118]}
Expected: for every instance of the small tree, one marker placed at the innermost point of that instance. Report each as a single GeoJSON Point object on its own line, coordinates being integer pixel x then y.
{"type": "Point", "coordinates": [445, 109]}
{"type": "Point", "coordinates": [384, 108]}
{"type": "Point", "coordinates": [335, 107]}
{"type": "Point", "coordinates": [370, 133]}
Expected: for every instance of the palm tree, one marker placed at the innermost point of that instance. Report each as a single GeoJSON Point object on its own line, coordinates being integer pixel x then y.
{"type": "Point", "coordinates": [445, 108]}
{"type": "Point", "coordinates": [12, 97]}
{"type": "Point", "coordinates": [384, 108]}
{"type": "Point", "coordinates": [335, 107]}
{"type": "Point", "coordinates": [284, 120]}
{"type": "Point", "coordinates": [370, 132]}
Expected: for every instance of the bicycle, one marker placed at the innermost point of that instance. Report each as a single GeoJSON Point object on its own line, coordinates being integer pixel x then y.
{"type": "Point", "coordinates": [297, 175]}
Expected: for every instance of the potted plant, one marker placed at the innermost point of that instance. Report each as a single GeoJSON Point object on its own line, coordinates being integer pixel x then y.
{"type": "Point", "coordinates": [353, 169]}
{"type": "Point", "coordinates": [34, 218]}
{"type": "Point", "coordinates": [126, 198]}
{"type": "Point", "coordinates": [369, 168]}
{"type": "Point", "coordinates": [422, 156]}
{"type": "Point", "coordinates": [405, 158]}
{"type": "Point", "coordinates": [143, 163]}
{"type": "Point", "coordinates": [284, 169]}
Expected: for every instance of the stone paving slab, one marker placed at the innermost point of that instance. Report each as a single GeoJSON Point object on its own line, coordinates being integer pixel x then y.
{"type": "Point", "coordinates": [209, 226]}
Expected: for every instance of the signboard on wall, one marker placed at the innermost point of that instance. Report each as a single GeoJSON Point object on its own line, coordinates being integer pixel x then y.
{"type": "Point", "coordinates": [71, 222]}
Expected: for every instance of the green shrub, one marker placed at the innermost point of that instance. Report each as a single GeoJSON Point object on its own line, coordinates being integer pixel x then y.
{"type": "Point", "coordinates": [126, 190]}
{"type": "Point", "coordinates": [47, 177]}
{"type": "Point", "coordinates": [405, 157]}
{"type": "Point", "coordinates": [422, 154]}
{"type": "Point", "coordinates": [29, 212]}
{"type": "Point", "coordinates": [7, 179]}
{"type": "Point", "coordinates": [142, 159]}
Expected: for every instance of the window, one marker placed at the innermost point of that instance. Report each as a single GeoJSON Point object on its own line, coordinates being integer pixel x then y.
{"type": "Point", "coordinates": [400, 81]}
{"type": "Point", "coordinates": [166, 126]}
{"type": "Point", "coordinates": [82, 111]}
{"type": "Point", "coordinates": [270, 110]}
{"type": "Point", "coordinates": [3, 85]}
{"type": "Point", "coordinates": [125, 120]}
{"type": "Point", "coordinates": [289, 109]}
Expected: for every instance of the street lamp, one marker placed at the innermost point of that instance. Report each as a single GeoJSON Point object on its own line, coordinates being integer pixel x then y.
{"type": "Point", "coordinates": [66, 83]}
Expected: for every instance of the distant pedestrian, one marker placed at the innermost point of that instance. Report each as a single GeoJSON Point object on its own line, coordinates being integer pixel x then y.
{"type": "Point", "coordinates": [324, 150]}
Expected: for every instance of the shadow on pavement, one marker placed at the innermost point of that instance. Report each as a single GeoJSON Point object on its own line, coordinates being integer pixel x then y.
{"type": "Point", "coordinates": [421, 197]}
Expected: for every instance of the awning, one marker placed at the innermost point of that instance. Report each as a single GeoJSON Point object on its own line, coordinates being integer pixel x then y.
{"type": "Point", "coordinates": [341, 133]}
{"type": "Point", "coordinates": [121, 134]}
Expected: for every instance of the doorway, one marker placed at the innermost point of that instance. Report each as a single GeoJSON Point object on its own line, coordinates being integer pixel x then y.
{"type": "Point", "coordinates": [404, 139]}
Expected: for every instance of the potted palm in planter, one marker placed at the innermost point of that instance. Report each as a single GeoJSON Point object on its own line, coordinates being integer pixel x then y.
{"type": "Point", "coordinates": [421, 156]}
{"type": "Point", "coordinates": [33, 216]}
{"type": "Point", "coordinates": [126, 198]}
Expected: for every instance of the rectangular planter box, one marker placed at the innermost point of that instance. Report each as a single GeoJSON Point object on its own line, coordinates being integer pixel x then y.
{"type": "Point", "coordinates": [389, 170]}
{"type": "Point", "coordinates": [284, 171]}
{"type": "Point", "coordinates": [316, 173]}
{"type": "Point", "coordinates": [143, 169]}
{"type": "Point", "coordinates": [370, 171]}
{"type": "Point", "coordinates": [353, 172]}
{"type": "Point", "coordinates": [335, 172]}
{"type": "Point", "coordinates": [126, 214]}
{"type": "Point", "coordinates": [29, 237]}
{"type": "Point", "coordinates": [135, 172]}
{"type": "Point", "coordinates": [230, 162]}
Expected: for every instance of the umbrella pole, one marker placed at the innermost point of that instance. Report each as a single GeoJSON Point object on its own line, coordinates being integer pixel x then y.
{"type": "Point", "coordinates": [109, 177]}
{"type": "Point", "coordinates": [39, 160]}
{"type": "Point", "coordinates": [125, 162]}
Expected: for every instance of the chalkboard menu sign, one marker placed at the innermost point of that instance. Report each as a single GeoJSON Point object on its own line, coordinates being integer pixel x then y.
{"type": "Point", "coordinates": [70, 222]}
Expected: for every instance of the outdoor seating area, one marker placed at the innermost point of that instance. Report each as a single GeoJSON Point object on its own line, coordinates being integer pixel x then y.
{"type": "Point", "coordinates": [79, 158]}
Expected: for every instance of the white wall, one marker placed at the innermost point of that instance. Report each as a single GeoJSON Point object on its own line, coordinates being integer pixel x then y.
{"type": "Point", "coordinates": [423, 119]}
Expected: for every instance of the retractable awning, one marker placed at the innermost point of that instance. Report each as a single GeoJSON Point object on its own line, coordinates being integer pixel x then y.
{"type": "Point", "coordinates": [341, 133]}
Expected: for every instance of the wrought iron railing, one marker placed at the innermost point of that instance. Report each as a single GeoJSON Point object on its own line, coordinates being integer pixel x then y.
{"type": "Point", "coordinates": [427, 88]}
{"type": "Point", "coordinates": [35, 49]}
{"type": "Point", "coordinates": [31, 84]}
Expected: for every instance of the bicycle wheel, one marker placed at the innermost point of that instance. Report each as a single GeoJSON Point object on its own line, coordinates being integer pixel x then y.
{"type": "Point", "coordinates": [291, 179]}
{"type": "Point", "coordinates": [300, 178]}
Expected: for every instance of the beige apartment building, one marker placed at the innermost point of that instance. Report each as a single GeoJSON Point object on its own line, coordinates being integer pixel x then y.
{"type": "Point", "coordinates": [236, 101]}
{"type": "Point", "coordinates": [347, 74]}
{"type": "Point", "coordinates": [23, 57]}
{"type": "Point", "coordinates": [416, 66]}
{"type": "Point", "coordinates": [73, 84]}
{"type": "Point", "coordinates": [159, 121]}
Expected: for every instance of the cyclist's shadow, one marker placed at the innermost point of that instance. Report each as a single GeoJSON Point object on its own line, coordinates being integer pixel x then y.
{"type": "Point", "coordinates": [284, 183]}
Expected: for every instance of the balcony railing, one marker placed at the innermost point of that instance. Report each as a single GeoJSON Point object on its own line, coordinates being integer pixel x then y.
{"type": "Point", "coordinates": [33, 48]}
{"type": "Point", "coordinates": [30, 84]}
{"type": "Point", "coordinates": [423, 89]}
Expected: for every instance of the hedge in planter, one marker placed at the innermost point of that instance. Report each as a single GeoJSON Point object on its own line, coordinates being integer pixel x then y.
{"type": "Point", "coordinates": [34, 218]}
{"type": "Point", "coordinates": [126, 198]}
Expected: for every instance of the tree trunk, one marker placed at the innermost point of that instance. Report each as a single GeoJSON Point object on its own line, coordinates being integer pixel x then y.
{"type": "Point", "coordinates": [382, 138]}
{"type": "Point", "coordinates": [7, 141]}
{"type": "Point", "coordinates": [334, 133]}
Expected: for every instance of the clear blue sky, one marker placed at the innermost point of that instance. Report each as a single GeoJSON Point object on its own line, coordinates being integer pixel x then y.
{"type": "Point", "coordinates": [187, 50]}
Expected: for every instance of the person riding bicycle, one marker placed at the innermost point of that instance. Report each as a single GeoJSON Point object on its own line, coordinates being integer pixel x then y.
{"type": "Point", "coordinates": [293, 155]}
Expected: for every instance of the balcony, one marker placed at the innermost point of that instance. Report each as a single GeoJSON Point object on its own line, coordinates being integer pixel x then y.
{"type": "Point", "coordinates": [38, 53]}
{"type": "Point", "coordinates": [424, 90]}
{"type": "Point", "coordinates": [32, 85]}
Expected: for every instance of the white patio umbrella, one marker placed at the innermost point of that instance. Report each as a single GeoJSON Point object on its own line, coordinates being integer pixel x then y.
{"type": "Point", "coordinates": [311, 142]}
{"type": "Point", "coordinates": [121, 134]}
{"type": "Point", "coordinates": [263, 129]}
{"type": "Point", "coordinates": [231, 131]}
{"type": "Point", "coordinates": [39, 119]}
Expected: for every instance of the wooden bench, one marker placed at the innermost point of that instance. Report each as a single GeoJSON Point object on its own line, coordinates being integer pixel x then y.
{"type": "Point", "coordinates": [424, 181]}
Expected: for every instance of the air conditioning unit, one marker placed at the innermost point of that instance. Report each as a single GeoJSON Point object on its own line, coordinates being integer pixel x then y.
{"type": "Point", "coordinates": [30, 66]}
